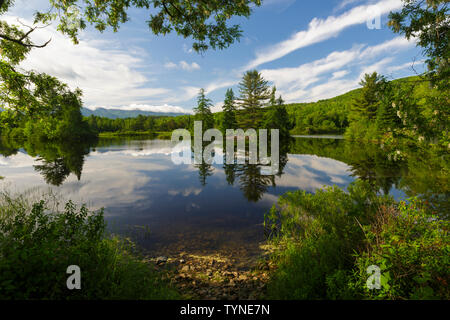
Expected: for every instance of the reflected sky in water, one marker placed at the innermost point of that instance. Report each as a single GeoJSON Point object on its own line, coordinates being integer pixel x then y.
{"type": "Point", "coordinates": [184, 207]}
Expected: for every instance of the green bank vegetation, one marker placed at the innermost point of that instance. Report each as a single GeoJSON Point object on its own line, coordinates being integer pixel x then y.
{"type": "Point", "coordinates": [38, 242]}
{"type": "Point", "coordinates": [330, 238]}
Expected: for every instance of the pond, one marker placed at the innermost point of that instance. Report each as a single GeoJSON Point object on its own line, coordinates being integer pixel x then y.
{"type": "Point", "coordinates": [170, 208]}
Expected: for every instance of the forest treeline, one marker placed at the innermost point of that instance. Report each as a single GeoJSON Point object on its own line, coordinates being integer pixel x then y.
{"type": "Point", "coordinates": [338, 115]}
{"type": "Point", "coordinates": [348, 113]}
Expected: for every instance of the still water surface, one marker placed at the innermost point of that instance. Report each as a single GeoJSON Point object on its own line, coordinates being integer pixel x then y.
{"type": "Point", "coordinates": [171, 208]}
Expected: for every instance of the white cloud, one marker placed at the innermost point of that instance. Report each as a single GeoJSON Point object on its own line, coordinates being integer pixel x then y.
{"type": "Point", "coordinates": [145, 107]}
{"type": "Point", "coordinates": [187, 49]}
{"type": "Point", "coordinates": [340, 74]}
{"type": "Point", "coordinates": [189, 67]}
{"type": "Point", "coordinates": [325, 78]}
{"type": "Point", "coordinates": [170, 65]}
{"type": "Point", "coordinates": [189, 92]}
{"type": "Point", "coordinates": [218, 107]}
{"type": "Point", "coordinates": [220, 84]}
{"type": "Point", "coordinates": [408, 65]}
{"type": "Point", "coordinates": [107, 75]}
{"type": "Point", "coordinates": [182, 65]}
{"type": "Point", "coordinates": [323, 29]}
{"type": "Point", "coordinates": [345, 3]}
{"type": "Point", "coordinates": [279, 5]}
{"type": "Point", "coordinates": [376, 67]}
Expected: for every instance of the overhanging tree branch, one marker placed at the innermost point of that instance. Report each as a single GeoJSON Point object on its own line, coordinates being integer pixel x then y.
{"type": "Point", "coordinates": [20, 42]}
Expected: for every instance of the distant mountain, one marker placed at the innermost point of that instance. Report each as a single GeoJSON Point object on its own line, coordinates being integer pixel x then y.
{"type": "Point", "coordinates": [117, 113]}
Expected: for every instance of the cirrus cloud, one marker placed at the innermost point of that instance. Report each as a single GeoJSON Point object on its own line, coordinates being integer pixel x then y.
{"type": "Point", "coordinates": [322, 29]}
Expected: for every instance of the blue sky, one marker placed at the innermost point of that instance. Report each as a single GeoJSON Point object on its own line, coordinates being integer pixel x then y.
{"type": "Point", "coordinates": [310, 50]}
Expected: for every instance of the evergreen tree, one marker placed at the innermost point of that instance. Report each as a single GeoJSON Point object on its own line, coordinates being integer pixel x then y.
{"type": "Point", "coordinates": [273, 100]}
{"type": "Point", "coordinates": [203, 112]}
{"type": "Point", "coordinates": [229, 112]}
{"type": "Point", "coordinates": [366, 106]}
{"type": "Point", "coordinates": [254, 93]}
{"type": "Point", "coordinates": [276, 116]}
{"type": "Point", "coordinates": [280, 101]}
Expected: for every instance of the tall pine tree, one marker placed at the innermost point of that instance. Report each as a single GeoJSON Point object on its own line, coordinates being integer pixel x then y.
{"type": "Point", "coordinates": [366, 106]}
{"type": "Point", "coordinates": [203, 112]}
{"type": "Point", "coordinates": [229, 111]}
{"type": "Point", "coordinates": [255, 94]}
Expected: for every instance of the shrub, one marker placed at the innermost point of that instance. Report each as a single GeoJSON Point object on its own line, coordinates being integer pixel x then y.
{"type": "Point", "coordinates": [328, 240]}
{"type": "Point", "coordinates": [412, 249]}
{"type": "Point", "coordinates": [320, 233]}
{"type": "Point", "coordinates": [37, 246]}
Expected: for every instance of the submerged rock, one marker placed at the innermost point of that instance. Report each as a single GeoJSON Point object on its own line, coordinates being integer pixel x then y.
{"type": "Point", "coordinates": [161, 260]}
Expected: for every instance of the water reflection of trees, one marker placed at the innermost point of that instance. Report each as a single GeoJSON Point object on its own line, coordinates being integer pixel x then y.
{"type": "Point", "coordinates": [56, 160]}
{"type": "Point", "coordinates": [204, 171]}
{"type": "Point", "coordinates": [420, 172]}
{"type": "Point", "coordinates": [366, 161]}
{"type": "Point", "coordinates": [251, 182]}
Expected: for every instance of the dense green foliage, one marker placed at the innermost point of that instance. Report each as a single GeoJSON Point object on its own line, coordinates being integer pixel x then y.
{"type": "Point", "coordinates": [204, 21]}
{"type": "Point", "coordinates": [324, 116]}
{"type": "Point", "coordinates": [35, 104]}
{"type": "Point", "coordinates": [139, 124]}
{"type": "Point", "coordinates": [405, 109]}
{"type": "Point", "coordinates": [412, 249]}
{"type": "Point", "coordinates": [276, 116]}
{"type": "Point", "coordinates": [330, 238]}
{"type": "Point", "coordinates": [39, 242]}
